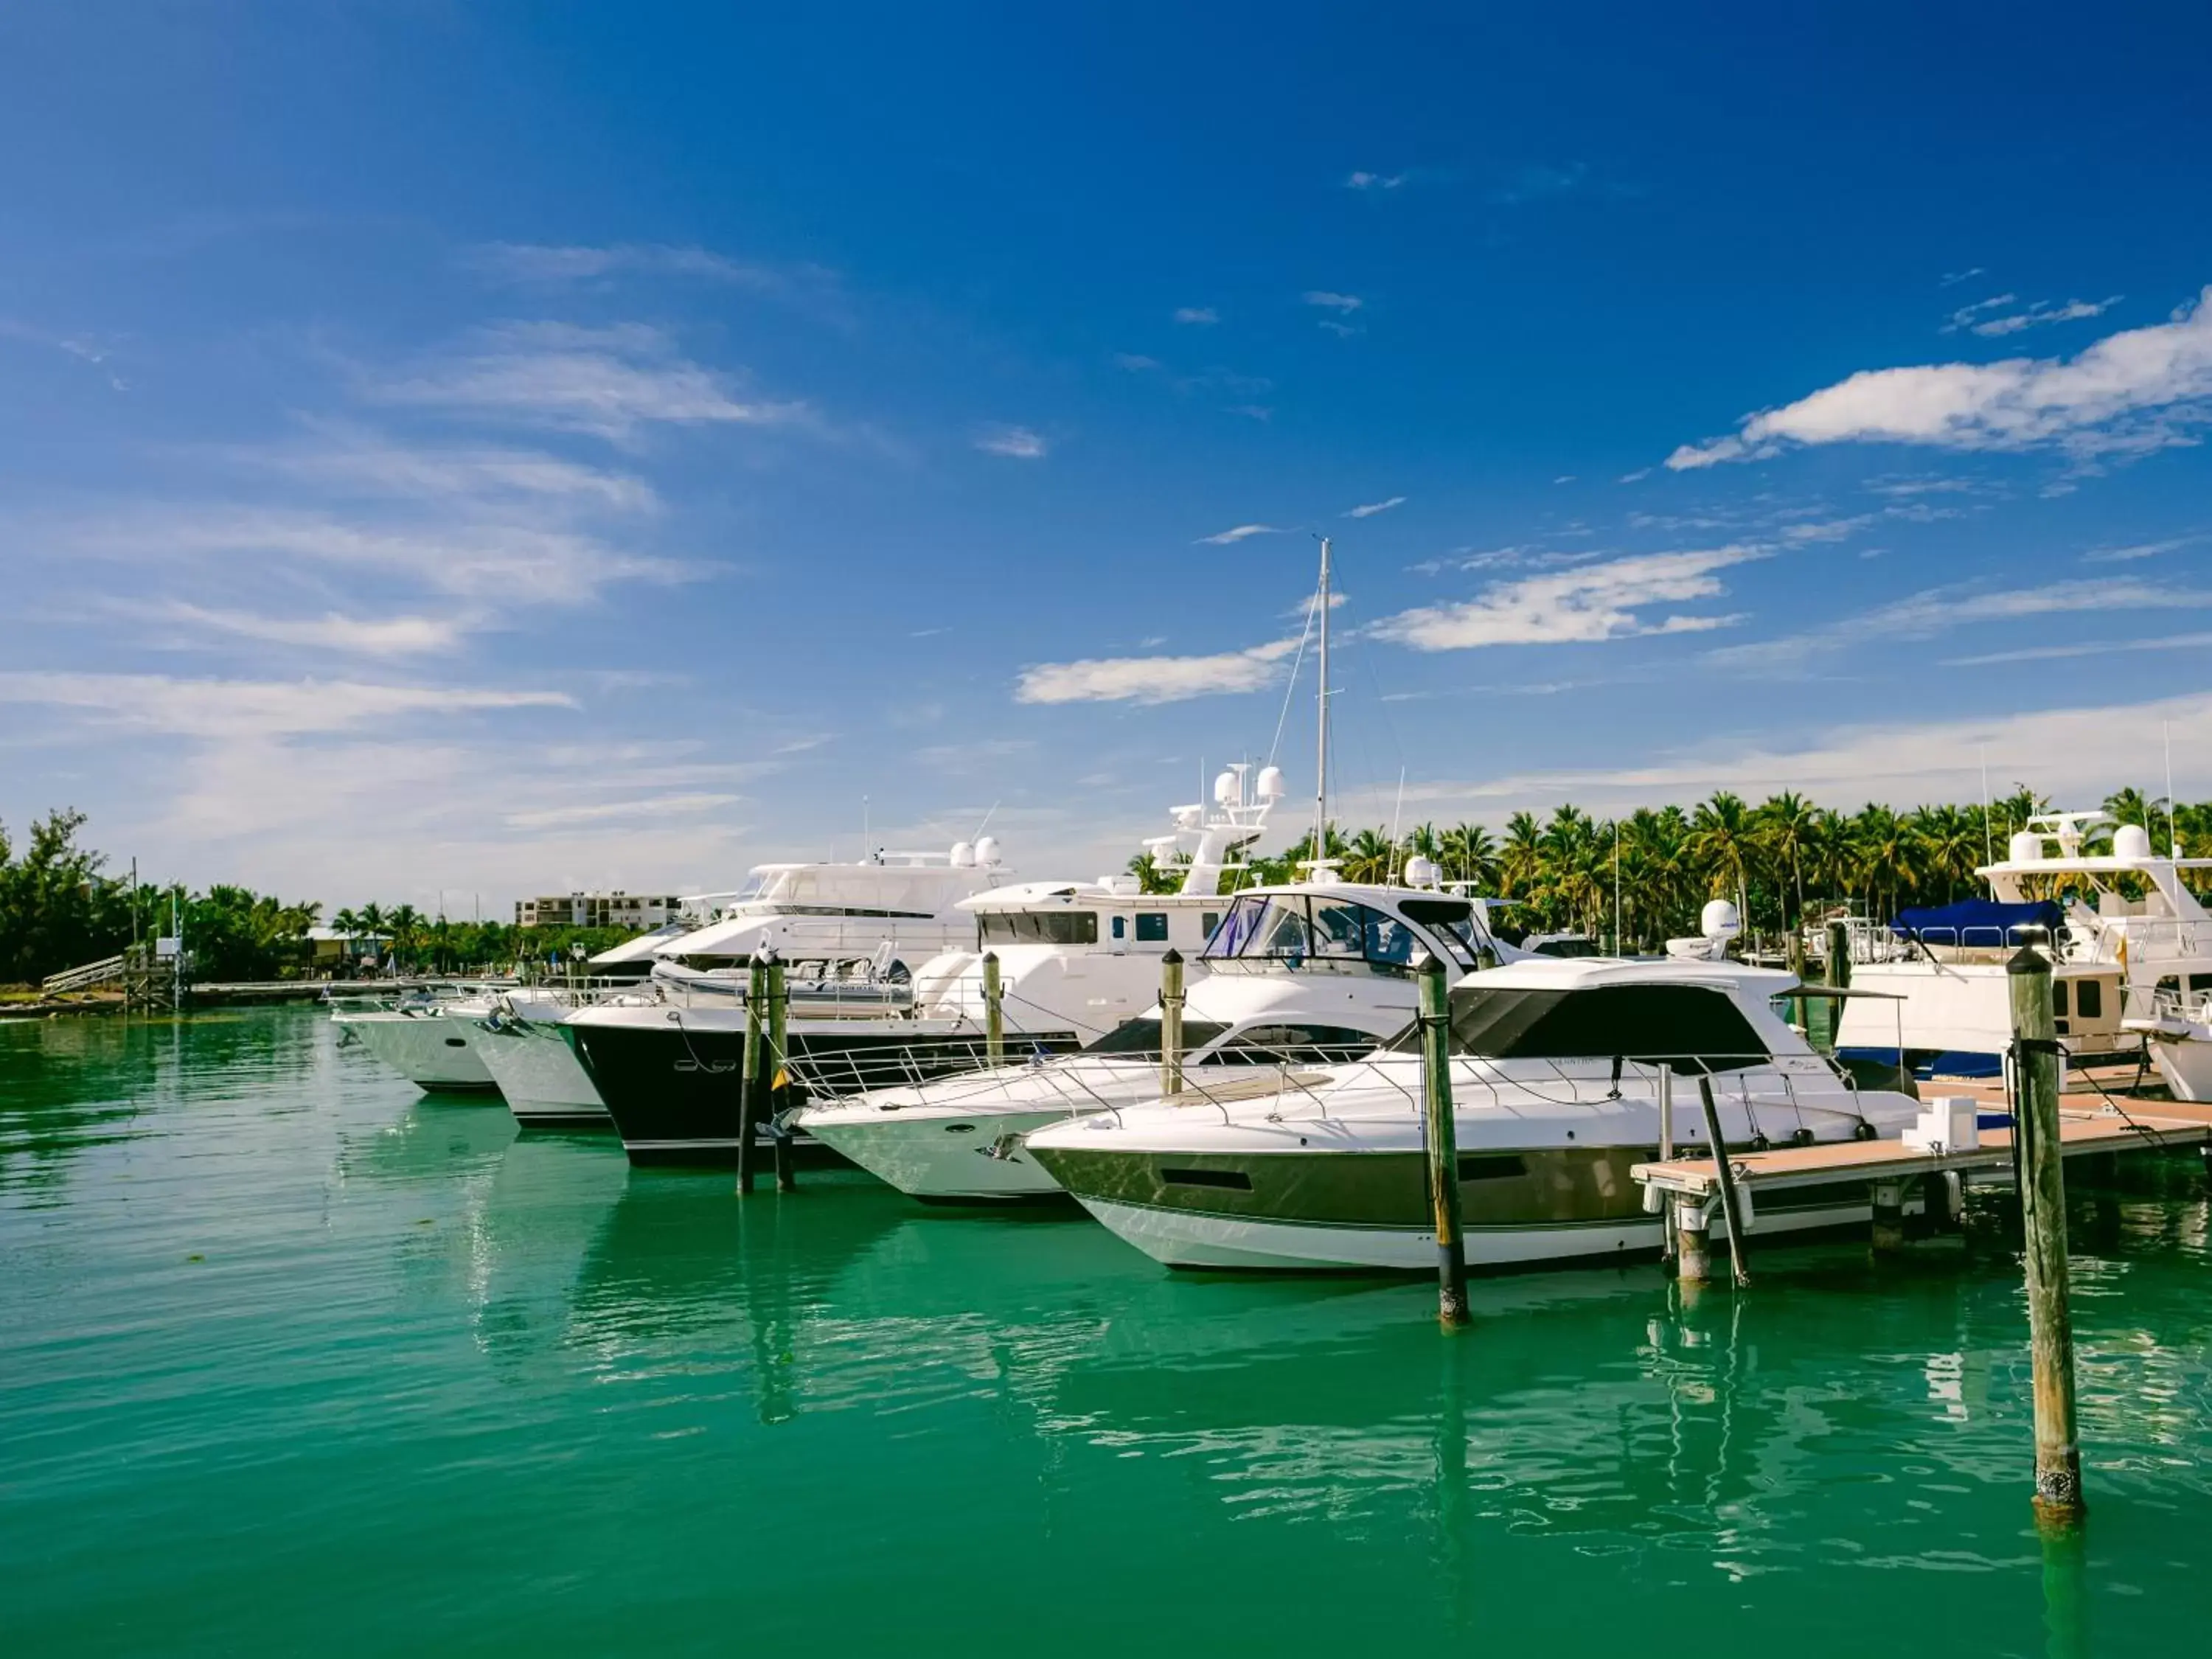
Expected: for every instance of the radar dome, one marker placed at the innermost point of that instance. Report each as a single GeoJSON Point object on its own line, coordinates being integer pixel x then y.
{"type": "Point", "coordinates": [1718, 920]}
{"type": "Point", "coordinates": [963, 856]}
{"type": "Point", "coordinates": [1271, 783]}
{"type": "Point", "coordinates": [2026, 846]}
{"type": "Point", "coordinates": [1423, 872]}
{"type": "Point", "coordinates": [1225, 789]}
{"type": "Point", "coordinates": [2131, 842]}
{"type": "Point", "coordinates": [987, 850]}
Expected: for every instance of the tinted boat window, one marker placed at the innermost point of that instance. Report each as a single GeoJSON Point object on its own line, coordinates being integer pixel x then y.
{"type": "Point", "coordinates": [1679, 1022]}
{"type": "Point", "coordinates": [1452, 920]}
{"type": "Point", "coordinates": [1039, 927]}
{"type": "Point", "coordinates": [1142, 1037]}
{"type": "Point", "coordinates": [1270, 1045]}
{"type": "Point", "coordinates": [1151, 926]}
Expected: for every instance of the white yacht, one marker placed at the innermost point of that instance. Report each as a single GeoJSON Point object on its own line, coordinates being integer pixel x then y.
{"type": "Point", "coordinates": [1310, 974]}
{"type": "Point", "coordinates": [2131, 949]}
{"type": "Point", "coordinates": [420, 1036]}
{"type": "Point", "coordinates": [1558, 1071]}
{"type": "Point", "coordinates": [1075, 959]}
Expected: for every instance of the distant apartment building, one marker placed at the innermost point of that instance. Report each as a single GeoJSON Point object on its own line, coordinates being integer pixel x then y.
{"type": "Point", "coordinates": [615, 910]}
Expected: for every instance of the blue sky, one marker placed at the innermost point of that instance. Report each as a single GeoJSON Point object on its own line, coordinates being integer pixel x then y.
{"type": "Point", "coordinates": [485, 449]}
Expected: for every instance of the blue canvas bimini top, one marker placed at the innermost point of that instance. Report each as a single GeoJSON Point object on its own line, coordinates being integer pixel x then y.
{"type": "Point", "coordinates": [1978, 921]}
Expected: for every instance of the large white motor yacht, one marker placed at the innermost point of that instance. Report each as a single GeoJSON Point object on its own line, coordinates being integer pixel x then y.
{"type": "Point", "coordinates": [1075, 959]}
{"type": "Point", "coordinates": [1557, 1075]}
{"type": "Point", "coordinates": [1292, 976]}
{"type": "Point", "coordinates": [420, 1036]}
{"type": "Point", "coordinates": [2131, 949]}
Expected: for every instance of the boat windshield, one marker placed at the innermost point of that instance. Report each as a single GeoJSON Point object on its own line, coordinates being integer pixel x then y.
{"type": "Point", "coordinates": [1690, 1027]}
{"type": "Point", "coordinates": [1451, 920]}
{"type": "Point", "coordinates": [1142, 1037]}
{"type": "Point", "coordinates": [1294, 928]}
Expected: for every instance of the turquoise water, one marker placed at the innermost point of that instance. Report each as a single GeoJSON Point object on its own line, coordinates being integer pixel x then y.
{"type": "Point", "coordinates": [296, 1359]}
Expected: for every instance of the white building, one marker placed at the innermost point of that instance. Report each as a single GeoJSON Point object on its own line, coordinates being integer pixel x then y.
{"type": "Point", "coordinates": [615, 909]}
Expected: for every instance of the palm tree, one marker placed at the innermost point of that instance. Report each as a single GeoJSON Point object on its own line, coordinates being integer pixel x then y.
{"type": "Point", "coordinates": [1723, 839]}
{"type": "Point", "coordinates": [1370, 857]}
{"type": "Point", "coordinates": [1785, 822]}
{"type": "Point", "coordinates": [1469, 854]}
{"type": "Point", "coordinates": [406, 924]}
{"type": "Point", "coordinates": [1520, 859]}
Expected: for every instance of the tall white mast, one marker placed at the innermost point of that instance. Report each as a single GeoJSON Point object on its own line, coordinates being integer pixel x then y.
{"type": "Point", "coordinates": [1321, 762]}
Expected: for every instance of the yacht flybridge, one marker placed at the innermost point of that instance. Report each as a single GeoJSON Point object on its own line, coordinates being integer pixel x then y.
{"type": "Point", "coordinates": [2131, 949]}
{"type": "Point", "coordinates": [1558, 1073]}
{"type": "Point", "coordinates": [1312, 973]}
{"type": "Point", "coordinates": [1075, 959]}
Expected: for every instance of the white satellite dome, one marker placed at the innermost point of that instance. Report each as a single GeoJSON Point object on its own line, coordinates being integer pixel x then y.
{"type": "Point", "coordinates": [1270, 784]}
{"type": "Point", "coordinates": [1424, 872]}
{"type": "Point", "coordinates": [987, 850]}
{"type": "Point", "coordinates": [1719, 920]}
{"type": "Point", "coordinates": [1225, 789]}
{"type": "Point", "coordinates": [2131, 842]}
{"type": "Point", "coordinates": [964, 855]}
{"type": "Point", "coordinates": [2026, 846]}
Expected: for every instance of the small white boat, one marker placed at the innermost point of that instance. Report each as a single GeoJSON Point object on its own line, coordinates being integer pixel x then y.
{"type": "Point", "coordinates": [1561, 1073]}
{"type": "Point", "coordinates": [429, 1040]}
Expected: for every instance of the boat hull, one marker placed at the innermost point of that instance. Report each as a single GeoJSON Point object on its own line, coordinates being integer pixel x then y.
{"type": "Point", "coordinates": [431, 1049]}
{"type": "Point", "coordinates": [972, 1158]}
{"type": "Point", "coordinates": [672, 1089]}
{"type": "Point", "coordinates": [545, 1085]}
{"type": "Point", "coordinates": [1368, 1212]}
{"type": "Point", "coordinates": [2185, 1062]}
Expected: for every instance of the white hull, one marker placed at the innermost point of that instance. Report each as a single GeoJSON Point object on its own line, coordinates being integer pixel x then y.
{"type": "Point", "coordinates": [545, 1085]}
{"type": "Point", "coordinates": [2185, 1062]}
{"type": "Point", "coordinates": [941, 1157]}
{"type": "Point", "coordinates": [431, 1049]}
{"type": "Point", "coordinates": [1182, 1239]}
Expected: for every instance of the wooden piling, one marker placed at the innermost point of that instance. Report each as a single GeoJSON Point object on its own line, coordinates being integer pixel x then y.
{"type": "Point", "coordinates": [1839, 956]}
{"type": "Point", "coordinates": [1731, 1212]}
{"type": "Point", "coordinates": [1443, 1137]}
{"type": "Point", "coordinates": [2043, 1214]}
{"type": "Point", "coordinates": [1171, 1000]}
{"type": "Point", "coordinates": [750, 1081]}
{"type": "Point", "coordinates": [778, 1068]}
{"type": "Point", "coordinates": [994, 1012]}
{"type": "Point", "coordinates": [1692, 1228]}
{"type": "Point", "coordinates": [1888, 1205]}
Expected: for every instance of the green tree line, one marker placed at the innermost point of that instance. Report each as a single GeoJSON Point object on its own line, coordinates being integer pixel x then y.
{"type": "Point", "coordinates": [1781, 860]}
{"type": "Point", "coordinates": [61, 906]}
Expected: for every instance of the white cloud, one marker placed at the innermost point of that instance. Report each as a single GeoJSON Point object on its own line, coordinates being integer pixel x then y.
{"type": "Point", "coordinates": [605, 382]}
{"type": "Point", "coordinates": [1136, 362]}
{"type": "Point", "coordinates": [1375, 180]}
{"type": "Point", "coordinates": [366, 636]}
{"type": "Point", "coordinates": [1368, 509]}
{"type": "Point", "coordinates": [251, 709]}
{"type": "Point", "coordinates": [2130, 391]}
{"type": "Point", "coordinates": [2138, 551]}
{"type": "Point", "coordinates": [1237, 533]}
{"type": "Point", "coordinates": [1940, 610]}
{"type": "Point", "coordinates": [606, 812]}
{"type": "Point", "coordinates": [368, 465]}
{"type": "Point", "coordinates": [2083, 649]}
{"type": "Point", "coordinates": [1153, 679]}
{"type": "Point", "coordinates": [2040, 312]}
{"type": "Point", "coordinates": [1017, 442]}
{"type": "Point", "coordinates": [2077, 755]}
{"type": "Point", "coordinates": [1952, 278]}
{"type": "Point", "coordinates": [1580, 604]}
{"type": "Point", "coordinates": [1199, 316]}
{"type": "Point", "coordinates": [1344, 302]}
{"type": "Point", "coordinates": [542, 263]}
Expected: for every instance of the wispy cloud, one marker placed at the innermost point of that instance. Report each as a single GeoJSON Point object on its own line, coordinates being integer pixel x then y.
{"type": "Point", "coordinates": [363, 636]}
{"type": "Point", "coordinates": [2138, 551]}
{"type": "Point", "coordinates": [1237, 533]}
{"type": "Point", "coordinates": [1368, 509]}
{"type": "Point", "coordinates": [1346, 303]}
{"type": "Point", "coordinates": [1937, 611]}
{"type": "Point", "coordinates": [1952, 278]}
{"type": "Point", "coordinates": [2133, 391]}
{"type": "Point", "coordinates": [1137, 362]}
{"type": "Point", "coordinates": [85, 347]}
{"type": "Point", "coordinates": [1154, 679]}
{"type": "Point", "coordinates": [1583, 604]}
{"type": "Point", "coordinates": [543, 264]}
{"type": "Point", "coordinates": [1376, 181]}
{"type": "Point", "coordinates": [251, 709]}
{"type": "Point", "coordinates": [1539, 180]}
{"type": "Point", "coordinates": [1972, 318]}
{"type": "Point", "coordinates": [619, 810]}
{"type": "Point", "coordinates": [2083, 649]}
{"type": "Point", "coordinates": [1197, 316]}
{"type": "Point", "coordinates": [366, 465]}
{"type": "Point", "coordinates": [1016, 442]}
{"type": "Point", "coordinates": [609, 382]}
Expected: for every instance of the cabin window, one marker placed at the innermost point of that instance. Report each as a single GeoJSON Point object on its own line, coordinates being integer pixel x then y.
{"type": "Point", "coordinates": [1295, 1045]}
{"type": "Point", "coordinates": [1039, 927]}
{"type": "Point", "coordinates": [2058, 998]}
{"type": "Point", "coordinates": [1691, 1026]}
{"type": "Point", "coordinates": [2200, 982]}
{"type": "Point", "coordinates": [1151, 926]}
{"type": "Point", "coordinates": [1142, 1037]}
{"type": "Point", "coordinates": [1120, 927]}
{"type": "Point", "coordinates": [1207, 921]}
{"type": "Point", "coordinates": [1234, 1180]}
{"type": "Point", "coordinates": [2088, 998]}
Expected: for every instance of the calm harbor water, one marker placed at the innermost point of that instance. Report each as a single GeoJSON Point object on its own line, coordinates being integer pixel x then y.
{"type": "Point", "coordinates": [293, 1358]}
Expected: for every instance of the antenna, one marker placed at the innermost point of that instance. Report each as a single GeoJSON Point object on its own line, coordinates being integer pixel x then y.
{"type": "Point", "coordinates": [1988, 853]}
{"type": "Point", "coordinates": [2173, 833]}
{"type": "Point", "coordinates": [986, 824]}
{"type": "Point", "coordinates": [1397, 816]}
{"type": "Point", "coordinates": [1321, 762]}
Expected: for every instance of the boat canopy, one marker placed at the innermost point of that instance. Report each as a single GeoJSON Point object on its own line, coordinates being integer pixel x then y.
{"type": "Point", "coordinates": [1978, 921]}
{"type": "Point", "coordinates": [1692, 1027]}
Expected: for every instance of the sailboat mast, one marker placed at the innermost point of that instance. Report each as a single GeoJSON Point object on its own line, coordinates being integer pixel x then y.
{"type": "Point", "coordinates": [1320, 762]}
